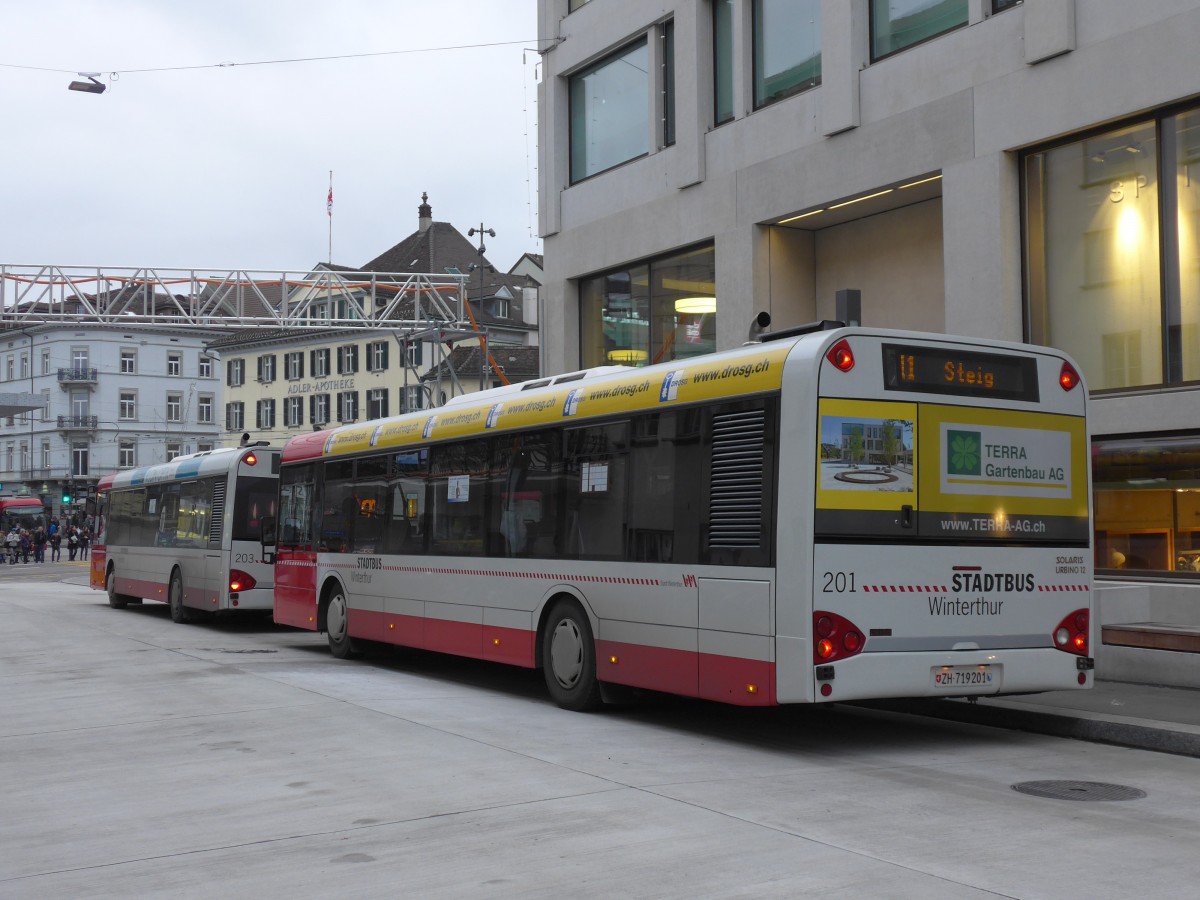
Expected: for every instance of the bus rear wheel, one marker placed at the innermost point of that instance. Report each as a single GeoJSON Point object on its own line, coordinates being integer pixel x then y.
{"type": "Point", "coordinates": [115, 600]}
{"type": "Point", "coordinates": [569, 658]}
{"type": "Point", "coordinates": [179, 612]}
{"type": "Point", "coordinates": [337, 622]}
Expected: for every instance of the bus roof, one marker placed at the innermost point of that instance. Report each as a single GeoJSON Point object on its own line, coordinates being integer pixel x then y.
{"type": "Point", "coordinates": [753, 368]}
{"type": "Point", "coordinates": [194, 465]}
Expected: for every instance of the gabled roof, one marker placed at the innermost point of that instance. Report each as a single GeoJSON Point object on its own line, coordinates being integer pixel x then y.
{"type": "Point", "coordinates": [519, 363]}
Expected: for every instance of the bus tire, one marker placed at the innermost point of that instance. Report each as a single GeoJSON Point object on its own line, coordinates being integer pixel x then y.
{"type": "Point", "coordinates": [341, 645]}
{"type": "Point", "coordinates": [569, 658]}
{"type": "Point", "coordinates": [115, 600]}
{"type": "Point", "coordinates": [179, 612]}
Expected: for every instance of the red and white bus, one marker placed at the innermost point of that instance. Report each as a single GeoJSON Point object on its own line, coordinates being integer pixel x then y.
{"type": "Point", "coordinates": [23, 512]}
{"type": "Point", "coordinates": [844, 514]}
{"type": "Point", "coordinates": [188, 532]}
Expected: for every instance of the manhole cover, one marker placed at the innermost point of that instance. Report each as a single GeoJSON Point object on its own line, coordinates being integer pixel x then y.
{"type": "Point", "coordinates": [1079, 790]}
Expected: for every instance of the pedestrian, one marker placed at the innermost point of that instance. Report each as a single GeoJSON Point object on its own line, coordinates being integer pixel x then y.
{"type": "Point", "coordinates": [39, 545]}
{"type": "Point", "coordinates": [72, 543]}
{"type": "Point", "coordinates": [85, 541]}
{"type": "Point", "coordinates": [12, 544]}
{"type": "Point", "coordinates": [26, 546]}
{"type": "Point", "coordinates": [55, 544]}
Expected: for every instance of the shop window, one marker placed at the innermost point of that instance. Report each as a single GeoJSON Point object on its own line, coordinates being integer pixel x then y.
{"type": "Point", "coordinates": [1147, 506]}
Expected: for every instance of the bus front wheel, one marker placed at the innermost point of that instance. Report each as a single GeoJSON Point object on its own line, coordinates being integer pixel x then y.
{"type": "Point", "coordinates": [341, 645]}
{"type": "Point", "coordinates": [179, 612]}
{"type": "Point", "coordinates": [115, 600]}
{"type": "Point", "coordinates": [569, 658]}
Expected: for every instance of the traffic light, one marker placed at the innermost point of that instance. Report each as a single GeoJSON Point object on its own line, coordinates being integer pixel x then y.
{"type": "Point", "coordinates": [66, 493]}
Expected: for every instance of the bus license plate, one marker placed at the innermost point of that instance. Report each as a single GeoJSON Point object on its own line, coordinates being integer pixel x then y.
{"type": "Point", "coordinates": [963, 677]}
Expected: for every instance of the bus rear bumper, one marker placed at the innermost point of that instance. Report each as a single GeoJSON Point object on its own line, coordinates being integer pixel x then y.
{"type": "Point", "coordinates": [978, 673]}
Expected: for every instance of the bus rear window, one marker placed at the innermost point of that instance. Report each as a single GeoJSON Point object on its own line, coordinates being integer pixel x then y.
{"type": "Point", "coordinates": [256, 498]}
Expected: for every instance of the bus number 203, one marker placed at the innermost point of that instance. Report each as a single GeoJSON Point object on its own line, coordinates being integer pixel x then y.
{"type": "Point", "coordinates": [839, 583]}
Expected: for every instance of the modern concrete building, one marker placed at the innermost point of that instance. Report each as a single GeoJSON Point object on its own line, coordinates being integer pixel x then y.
{"type": "Point", "coordinates": [1018, 170]}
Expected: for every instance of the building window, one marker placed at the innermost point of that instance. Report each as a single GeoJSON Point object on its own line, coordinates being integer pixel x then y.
{"type": "Point", "coordinates": [204, 409]}
{"type": "Point", "coordinates": [79, 458]}
{"type": "Point", "coordinates": [609, 112]}
{"type": "Point", "coordinates": [266, 414]}
{"type": "Point", "coordinates": [722, 61]}
{"type": "Point", "coordinates": [897, 24]}
{"type": "Point", "coordinates": [414, 398]}
{"type": "Point", "coordinates": [651, 312]}
{"type": "Point", "coordinates": [235, 416]}
{"type": "Point", "coordinates": [45, 454]}
{"type": "Point", "coordinates": [174, 407]}
{"type": "Point", "coordinates": [10, 373]}
{"type": "Point", "coordinates": [320, 363]}
{"type": "Point", "coordinates": [668, 83]}
{"type": "Point", "coordinates": [318, 409]}
{"type": "Point", "coordinates": [173, 450]}
{"type": "Point", "coordinates": [347, 359]}
{"type": "Point", "coordinates": [127, 408]}
{"type": "Point", "coordinates": [174, 364]}
{"type": "Point", "coordinates": [1001, 5]}
{"type": "Point", "coordinates": [377, 403]}
{"type": "Point", "coordinates": [45, 406]}
{"type": "Point", "coordinates": [413, 354]}
{"type": "Point", "coordinates": [294, 365]}
{"type": "Point", "coordinates": [205, 367]}
{"type": "Point", "coordinates": [377, 356]}
{"type": "Point", "coordinates": [24, 365]}
{"type": "Point", "coordinates": [79, 359]}
{"type": "Point", "coordinates": [787, 48]}
{"type": "Point", "coordinates": [266, 368]}
{"type": "Point", "coordinates": [1112, 251]}
{"type": "Point", "coordinates": [1147, 512]}
{"type": "Point", "coordinates": [128, 362]}
{"type": "Point", "coordinates": [45, 362]}
{"type": "Point", "coordinates": [24, 455]}
{"type": "Point", "coordinates": [347, 406]}
{"type": "Point", "coordinates": [293, 412]}
{"type": "Point", "coordinates": [204, 448]}
{"type": "Point", "coordinates": [126, 455]}
{"type": "Point", "coordinates": [235, 373]}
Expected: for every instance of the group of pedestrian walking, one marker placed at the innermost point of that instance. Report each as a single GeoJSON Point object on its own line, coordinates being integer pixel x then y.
{"type": "Point", "coordinates": [21, 543]}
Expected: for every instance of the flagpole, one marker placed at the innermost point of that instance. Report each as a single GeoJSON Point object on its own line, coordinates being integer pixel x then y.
{"type": "Point", "coordinates": [329, 210]}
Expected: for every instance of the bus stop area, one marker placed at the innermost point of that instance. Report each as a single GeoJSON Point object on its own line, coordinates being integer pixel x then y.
{"type": "Point", "coordinates": [237, 758]}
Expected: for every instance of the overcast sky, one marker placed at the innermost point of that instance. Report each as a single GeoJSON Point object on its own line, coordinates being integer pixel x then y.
{"type": "Point", "coordinates": [229, 167]}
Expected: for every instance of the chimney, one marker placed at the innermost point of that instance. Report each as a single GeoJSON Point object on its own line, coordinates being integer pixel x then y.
{"type": "Point", "coordinates": [424, 213]}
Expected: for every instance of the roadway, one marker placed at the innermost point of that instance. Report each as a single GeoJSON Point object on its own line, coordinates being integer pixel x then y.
{"type": "Point", "coordinates": [237, 759]}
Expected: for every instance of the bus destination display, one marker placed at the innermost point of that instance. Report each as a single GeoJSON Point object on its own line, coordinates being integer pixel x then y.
{"type": "Point", "coordinates": [942, 370]}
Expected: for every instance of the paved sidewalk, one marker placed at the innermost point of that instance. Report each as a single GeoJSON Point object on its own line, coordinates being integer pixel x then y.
{"type": "Point", "coordinates": [1149, 717]}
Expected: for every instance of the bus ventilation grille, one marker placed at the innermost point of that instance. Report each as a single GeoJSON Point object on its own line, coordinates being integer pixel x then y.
{"type": "Point", "coordinates": [217, 518]}
{"type": "Point", "coordinates": [735, 502]}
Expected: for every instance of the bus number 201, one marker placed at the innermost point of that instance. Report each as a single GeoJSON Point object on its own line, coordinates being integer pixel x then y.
{"type": "Point", "coordinates": [839, 583]}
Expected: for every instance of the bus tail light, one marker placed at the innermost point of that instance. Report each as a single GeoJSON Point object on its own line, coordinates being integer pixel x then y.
{"type": "Point", "coordinates": [835, 637]}
{"type": "Point", "coordinates": [1068, 378]}
{"type": "Point", "coordinates": [240, 581]}
{"type": "Point", "coordinates": [841, 356]}
{"type": "Point", "coordinates": [250, 459]}
{"type": "Point", "coordinates": [1071, 635]}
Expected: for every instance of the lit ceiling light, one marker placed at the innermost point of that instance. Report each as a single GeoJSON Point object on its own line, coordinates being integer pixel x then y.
{"type": "Point", "coordinates": [91, 86]}
{"type": "Point", "coordinates": [922, 181]}
{"type": "Point", "coordinates": [801, 216]}
{"type": "Point", "coordinates": [696, 305]}
{"type": "Point", "coordinates": [861, 199]}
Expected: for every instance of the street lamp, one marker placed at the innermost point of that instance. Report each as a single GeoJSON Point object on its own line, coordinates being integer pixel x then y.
{"type": "Point", "coordinates": [484, 373]}
{"type": "Point", "coordinates": [91, 86]}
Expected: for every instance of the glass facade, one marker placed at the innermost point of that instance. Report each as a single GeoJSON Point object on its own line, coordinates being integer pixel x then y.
{"type": "Point", "coordinates": [1113, 251]}
{"type": "Point", "coordinates": [610, 116]}
{"type": "Point", "coordinates": [650, 312]}
{"type": "Point", "coordinates": [1147, 506]}
{"type": "Point", "coordinates": [897, 24]}
{"type": "Point", "coordinates": [787, 48]}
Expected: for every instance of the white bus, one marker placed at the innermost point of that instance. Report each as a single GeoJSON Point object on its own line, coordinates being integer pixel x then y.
{"type": "Point", "coordinates": [188, 532]}
{"type": "Point", "coordinates": [844, 514]}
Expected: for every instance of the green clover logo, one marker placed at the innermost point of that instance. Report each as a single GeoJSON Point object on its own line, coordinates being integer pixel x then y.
{"type": "Point", "coordinates": [963, 452]}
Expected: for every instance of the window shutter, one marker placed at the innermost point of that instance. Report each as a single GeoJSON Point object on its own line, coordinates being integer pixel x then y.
{"type": "Point", "coordinates": [229, 373]}
{"type": "Point", "coordinates": [384, 357]}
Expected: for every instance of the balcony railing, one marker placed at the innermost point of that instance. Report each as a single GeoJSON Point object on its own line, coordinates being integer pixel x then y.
{"type": "Point", "coordinates": [78, 422]}
{"type": "Point", "coordinates": [77, 376]}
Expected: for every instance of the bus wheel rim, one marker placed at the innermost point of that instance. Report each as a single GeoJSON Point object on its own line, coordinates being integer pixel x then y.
{"type": "Point", "coordinates": [566, 653]}
{"type": "Point", "coordinates": [337, 617]}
